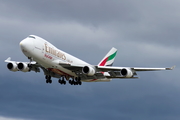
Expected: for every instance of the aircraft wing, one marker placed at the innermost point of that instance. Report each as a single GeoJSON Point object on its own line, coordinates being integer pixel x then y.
{"type": "Point", "coordinates": [109, 68]}
{"type": "Point", "coordinates": [13, 65]}
{"type": "Point", "coordinates": [106, 68]}
{"type": "Point", "coordinates": [113, 72]}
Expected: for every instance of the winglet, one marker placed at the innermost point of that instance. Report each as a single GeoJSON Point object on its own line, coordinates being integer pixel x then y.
{"type": "Point", "coordinates": [171, 68]}
{"type": "Point", "coordinates": [8, 59]}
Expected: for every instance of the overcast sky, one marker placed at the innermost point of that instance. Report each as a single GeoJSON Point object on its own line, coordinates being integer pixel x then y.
{"type": "Point", "coordinates": [145, 32]}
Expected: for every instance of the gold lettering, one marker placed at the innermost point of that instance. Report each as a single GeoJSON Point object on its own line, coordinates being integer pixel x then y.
{"type": "Point", "coordinates": [49, 50]}
{"type": "Point", "coordinates": [64, 57]}
{"type": "Point", "coordinates": [54, 52]}
{"type": "Point", "coordinates": [46, 48]}
{"type": "Point", "coordinates": [57, 54]}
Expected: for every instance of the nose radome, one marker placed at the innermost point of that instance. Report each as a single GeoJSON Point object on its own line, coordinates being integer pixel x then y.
{"type": "Point", "coordinates": [22, 43]}
{"type": "Point", "coordinates": [26, 45]}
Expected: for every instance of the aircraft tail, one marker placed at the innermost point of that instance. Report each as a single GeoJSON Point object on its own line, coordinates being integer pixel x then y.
{"type": "Point", "coordinates": [109, 58]}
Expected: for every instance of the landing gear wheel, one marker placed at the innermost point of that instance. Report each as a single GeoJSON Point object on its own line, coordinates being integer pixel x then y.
{"type": "Point", "coordinates": [70, 81]}
{"type": "Point", "coordinates": [80, 83]}
{"type": "Point", "coordinates": [48, 79]}
{"type": "Point", "coordinates": [59, 81]}
{"type": "Point", "coordinates": [64, 82]}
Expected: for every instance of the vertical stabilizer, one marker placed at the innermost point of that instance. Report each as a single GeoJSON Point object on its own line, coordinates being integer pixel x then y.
{"type": "Point", "coordinates": [109, 58]}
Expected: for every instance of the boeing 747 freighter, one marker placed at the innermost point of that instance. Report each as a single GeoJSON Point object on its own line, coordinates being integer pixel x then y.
{"type": "Point", "coordinates": [59, 64]}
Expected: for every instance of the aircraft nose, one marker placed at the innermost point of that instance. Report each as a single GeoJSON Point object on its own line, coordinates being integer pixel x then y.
{"type": "Point", "coordinates": [23, 43]}
{"type": "Point", "coordinates": [26, 45]}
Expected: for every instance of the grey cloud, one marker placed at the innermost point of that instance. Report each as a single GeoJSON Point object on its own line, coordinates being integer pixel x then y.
{"type": "Point", "coordinates": [83, 11]}
{"type": "Point", "coordinates": [148, 21]}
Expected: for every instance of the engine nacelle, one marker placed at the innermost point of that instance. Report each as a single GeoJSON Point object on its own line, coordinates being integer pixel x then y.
{"type": "Point", "coordinates": [12, 66]}
{"type": "Point", "coordinates": [127, 73]}
{"type": "Point", "coordinates": [23, 67]}
{"type": "Point", "coordinates": [88, 70]}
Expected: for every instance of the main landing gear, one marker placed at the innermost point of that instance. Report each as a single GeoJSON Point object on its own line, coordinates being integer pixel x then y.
{"type": "Point", "coordinates": [48, 79]}
{"type": "Point", "coordinates": [76, 81]}
{"type": "Point", "coordinates": [62, 81]}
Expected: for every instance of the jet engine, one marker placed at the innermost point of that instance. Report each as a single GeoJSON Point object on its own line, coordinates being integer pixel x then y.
{"type": "Point", "coordinates": [12, 66]}
{"type": "Point", "coordinates": [127, 73]}
{"type": "Point", "coordinates": [88, 70]}
{"type": "Point", "coordinates": [23, 67]}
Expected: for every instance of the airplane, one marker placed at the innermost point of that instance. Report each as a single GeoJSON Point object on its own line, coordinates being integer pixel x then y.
{"type": "Point", "coordinates": [59, 64]}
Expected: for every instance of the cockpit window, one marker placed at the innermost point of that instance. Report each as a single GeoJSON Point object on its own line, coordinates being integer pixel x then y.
{"type": "Point", "coordinates": [31, 37]}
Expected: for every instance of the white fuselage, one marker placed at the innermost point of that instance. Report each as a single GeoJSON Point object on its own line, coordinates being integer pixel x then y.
{"type": "Point", "coordinates": [47, 55]}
